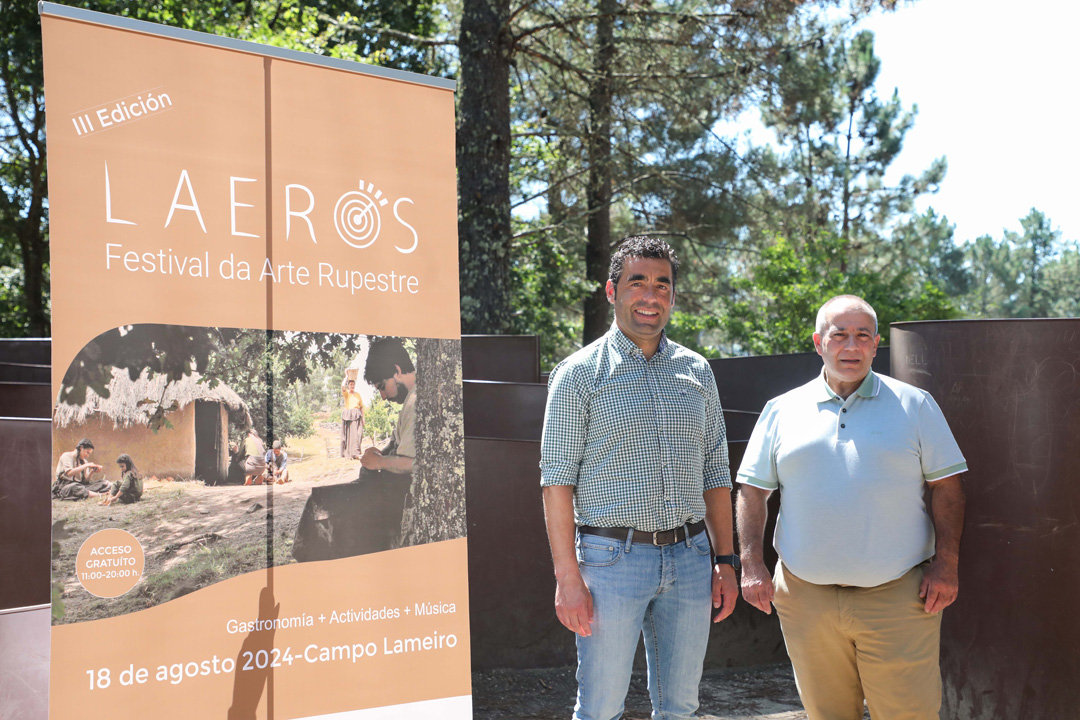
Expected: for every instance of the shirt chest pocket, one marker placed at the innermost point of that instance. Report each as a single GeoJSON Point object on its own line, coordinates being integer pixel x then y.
{"type": "Point", "coordinates": [683, 406]}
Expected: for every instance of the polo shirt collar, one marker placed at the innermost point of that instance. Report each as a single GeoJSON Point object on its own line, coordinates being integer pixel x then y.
{"type": "Point", "coordinates": [628, 347]}
{"type": "Point", "coordinates": [869, 387]}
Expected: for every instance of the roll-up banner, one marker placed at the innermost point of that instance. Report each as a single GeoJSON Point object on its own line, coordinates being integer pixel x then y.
{"type": "Point", "coordinates": [258, 501]}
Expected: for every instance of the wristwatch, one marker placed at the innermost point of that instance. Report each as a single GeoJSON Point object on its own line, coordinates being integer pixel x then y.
{"type": "Point", "coordinates": [732, 560]}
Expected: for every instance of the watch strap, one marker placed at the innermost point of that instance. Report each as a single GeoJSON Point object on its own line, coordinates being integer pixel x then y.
{"type": "Point", "coordinates": [732, 560]}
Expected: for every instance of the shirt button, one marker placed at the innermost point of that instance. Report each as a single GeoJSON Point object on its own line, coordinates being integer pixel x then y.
{"type": "Point", "coordinates": [843, 425]}
{"type": "Point", "coordinates": [844, 410]}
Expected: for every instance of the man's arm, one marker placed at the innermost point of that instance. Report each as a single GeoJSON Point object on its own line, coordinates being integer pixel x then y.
{"type": "Point", "coordinates": [941, 583]}
{"type": "Point", "coordinates": [718, 522]}
{"type": "Point", "coordinates": [751, 511]}
{"type": "Point", "coordinates": [573, 601]}
{"type": "Point", "coordinates": [373, 459]}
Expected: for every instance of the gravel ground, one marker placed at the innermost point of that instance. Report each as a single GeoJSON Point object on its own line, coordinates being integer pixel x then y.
{"type": "Point", "coordinates": [738, 694]}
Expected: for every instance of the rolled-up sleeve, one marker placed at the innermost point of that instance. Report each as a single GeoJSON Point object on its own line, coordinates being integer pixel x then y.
{"type": "Point", "coordinates": [565, 421]}
{"type": "Point", "coordinates": [717, 469]}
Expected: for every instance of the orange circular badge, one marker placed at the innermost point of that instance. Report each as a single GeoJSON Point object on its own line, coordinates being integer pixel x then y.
{"type": "Point", "coordinates": [109, 563]}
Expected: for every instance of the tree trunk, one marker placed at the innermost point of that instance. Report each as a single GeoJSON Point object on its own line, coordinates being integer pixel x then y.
{"type": "Point", "coordinates": [598, 247]}
{"type": "Point", "coordinates": [435, 506]}
{"type": "Point", "coordinates": [483, 162]}
{"type": "Point", "coordinates": [34, 251]}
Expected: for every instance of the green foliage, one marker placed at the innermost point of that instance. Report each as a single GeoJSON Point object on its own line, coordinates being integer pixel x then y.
{"type": "Point", "coordinates": [781, 297]}
{"type": "Point", "coordinates": [380, 419]}
{"type": "Point", "coordinates": [697, 331]}
{"type": "Point", "coordinates": [1033, 273]}
{"type": "Point", "coordinates": [266, 369]}
{"type": "Point", "coordinates": [837, 138]}
{"type": "Point", "coordinates": [548, 287]}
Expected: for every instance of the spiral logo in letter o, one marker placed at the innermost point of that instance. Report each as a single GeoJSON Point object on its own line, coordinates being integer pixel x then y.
{"type": "Point", "coordinates": [356, 216]}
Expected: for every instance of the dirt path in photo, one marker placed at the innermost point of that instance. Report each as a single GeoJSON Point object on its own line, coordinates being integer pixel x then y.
{"type": "Point", "coordinates": [193, 534]}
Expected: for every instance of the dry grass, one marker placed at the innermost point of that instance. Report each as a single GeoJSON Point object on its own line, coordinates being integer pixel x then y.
{"type": "Point", "coordinates": [194, 535]}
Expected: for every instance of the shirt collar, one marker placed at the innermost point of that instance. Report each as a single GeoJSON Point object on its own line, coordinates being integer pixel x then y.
{"type": "Point", "coordinates": [628, 347]}
{"type": "Point", "coordinates": [867, 389]}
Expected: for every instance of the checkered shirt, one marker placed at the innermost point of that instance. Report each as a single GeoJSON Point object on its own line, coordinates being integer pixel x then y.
{"type": "Point", "coordinates": [641, 440]}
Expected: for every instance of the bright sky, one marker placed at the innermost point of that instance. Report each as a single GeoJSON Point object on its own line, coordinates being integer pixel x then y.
{"type": "Point", "coordinates": [997, 85]}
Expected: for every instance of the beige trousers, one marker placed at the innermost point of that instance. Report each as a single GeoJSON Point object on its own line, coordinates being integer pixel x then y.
{"type": "Point", "coordinates": [847, 643]}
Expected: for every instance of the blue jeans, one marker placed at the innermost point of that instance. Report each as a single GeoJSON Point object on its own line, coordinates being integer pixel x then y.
{"type": "Point", "coordinates": [663, 593]}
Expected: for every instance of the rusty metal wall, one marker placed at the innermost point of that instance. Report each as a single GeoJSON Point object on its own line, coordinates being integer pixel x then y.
{"type": "Point", "coordinates": [25, 511]}
{"type": "Point", "coordinates": [505, 358]}
{"type": "Point", "coordinates": [1010, 390]}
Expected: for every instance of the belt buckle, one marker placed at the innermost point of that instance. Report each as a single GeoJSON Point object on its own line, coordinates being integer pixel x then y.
{"type": "Point", "coordinates": [674, 537]}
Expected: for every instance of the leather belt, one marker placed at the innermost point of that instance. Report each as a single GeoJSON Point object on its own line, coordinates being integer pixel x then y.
{"type": "Point", "coordinates": [660, 537]}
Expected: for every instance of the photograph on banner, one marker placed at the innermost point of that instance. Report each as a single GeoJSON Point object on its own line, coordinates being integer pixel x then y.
{"type": "Point", "coordinates": [222, 451]}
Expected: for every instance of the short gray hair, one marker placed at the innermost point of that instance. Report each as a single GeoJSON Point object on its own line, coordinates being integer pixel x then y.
{"type": "Point", "coordinates": [822, 323]}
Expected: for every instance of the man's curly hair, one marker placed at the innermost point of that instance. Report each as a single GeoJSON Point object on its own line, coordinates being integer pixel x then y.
{"type": "Point", "coordinates": [642, 246]}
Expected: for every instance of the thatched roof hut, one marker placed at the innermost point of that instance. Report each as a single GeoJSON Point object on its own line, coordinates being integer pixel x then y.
{"type": "Point", "coordinates": [131, 402]}
{"type": "Point", "coordinates": [190, 439]}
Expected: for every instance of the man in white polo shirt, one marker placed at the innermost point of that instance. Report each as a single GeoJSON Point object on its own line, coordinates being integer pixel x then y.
{"type": "Point", "coordinates": [865, 569]}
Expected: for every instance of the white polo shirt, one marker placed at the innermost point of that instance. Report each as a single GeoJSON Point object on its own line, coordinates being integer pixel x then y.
{"type": "Point", "coordinates": [851, 475]}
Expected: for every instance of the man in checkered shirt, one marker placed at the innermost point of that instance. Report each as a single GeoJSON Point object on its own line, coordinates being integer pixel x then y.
{"type": "Point", "coordinates": [634, 468]}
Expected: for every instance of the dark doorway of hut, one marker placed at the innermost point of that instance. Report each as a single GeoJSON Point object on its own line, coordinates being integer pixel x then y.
{"type": "Point", "coordinates": [211, 442]}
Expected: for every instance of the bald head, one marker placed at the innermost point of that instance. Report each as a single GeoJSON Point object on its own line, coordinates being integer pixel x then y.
{"type": "Point", "coordinates": [841, 304]}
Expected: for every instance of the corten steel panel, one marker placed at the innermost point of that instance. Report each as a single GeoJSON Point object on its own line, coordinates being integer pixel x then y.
{"type": "Point", "coordinates": [749, 636]}
{"type": "Point", "coordinates": [32, 351]}
{"type": "Point", "coordinates": [23, 373]}
{"type": "Point", "coordinates": [504, 358]}
{"type": "Point", "coordinates": [505, 411]}
{"type": "Point", "coordinates": [515, 411]}
{"type": "Point", "coordinates": [25, 400]}
{"type": "Point", "coordinates": [511, 584]}
{"type": "Point", "coordinates": [747, 383]}
{"type": "Point", "coordinates": [25, 361]}
{"type": "Point", "coordinates": [25, 511]}
{"type": "Point", "coordinates": [1010, 390]}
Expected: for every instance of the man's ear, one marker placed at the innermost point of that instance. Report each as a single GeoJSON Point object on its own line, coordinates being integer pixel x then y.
{"type": "Point", "coordinates": [610, 290]}
{"type": "Point", "coordinates": [817, 342]}
{"type": "Point", "coordinates": [397, 370]}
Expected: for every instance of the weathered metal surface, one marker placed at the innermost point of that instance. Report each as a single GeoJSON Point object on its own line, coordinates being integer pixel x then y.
{"type": "Point", "coordinates": [25, 511]}
{"type": "Point", "coordinates": [25, 400]}
{"type": "Point", "coordinates": [747, 383]}
{"type": "Point", "coordinates": [511, 584]}
{"type": "Point", "coordinates": [1010, 390]}
{"type": "Point", "coordinates": [504, 411]}
{"type": "Point", "coordinates": [505, 358]}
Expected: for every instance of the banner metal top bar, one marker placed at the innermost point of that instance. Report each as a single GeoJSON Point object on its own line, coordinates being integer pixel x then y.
{"type": "Point", "coordinates": [245, 46]}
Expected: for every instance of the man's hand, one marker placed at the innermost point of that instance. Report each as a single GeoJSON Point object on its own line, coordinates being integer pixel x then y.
{"type": "Point", "coordinates": [725, 591]}
{"type": "Point", "coordinates": [573, 605]}
{"type": "Point", "coordinates": [372, 459]}
{"type": "Point", "coordinates": [941, 582]}
{"type": "Point", "coordinates": [757, 585]}
{"type": "Point", "coordinates": [940, 585]}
